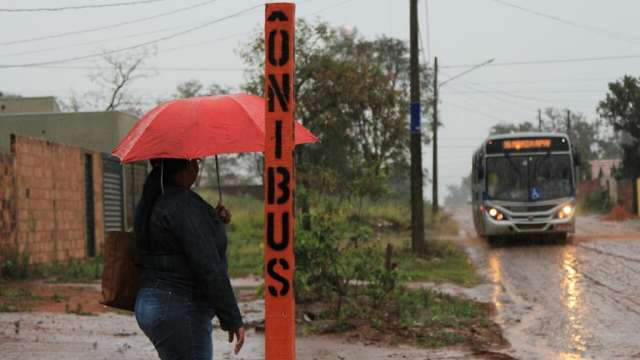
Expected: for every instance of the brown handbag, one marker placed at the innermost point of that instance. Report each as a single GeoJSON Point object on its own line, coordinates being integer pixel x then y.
{"type": "Point", "coordinates": [120, 283]}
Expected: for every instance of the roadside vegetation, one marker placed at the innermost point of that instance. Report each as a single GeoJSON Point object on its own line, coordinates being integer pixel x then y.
{"type": "Point", "coordinates": [25, 287]}
{"type": "Point", "coordinates": [354, 264]}
{"type": "Point", "coordinates": [15, 266]}
{"type": "Point", "coordinates": [596, 202]}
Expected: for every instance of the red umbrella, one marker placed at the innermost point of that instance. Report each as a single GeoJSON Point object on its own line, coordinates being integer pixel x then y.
{"type": "Point", "coordinates": [198, 127]}
{"type": "Point", "coordinates": [202, 126]}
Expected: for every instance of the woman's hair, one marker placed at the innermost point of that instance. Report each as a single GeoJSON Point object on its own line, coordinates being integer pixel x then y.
{"type": "Point", "coordinates": [161, 177]}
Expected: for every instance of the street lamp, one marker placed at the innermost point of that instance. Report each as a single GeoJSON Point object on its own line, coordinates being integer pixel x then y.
{"type": "Point", "coordinates": [436, 87]}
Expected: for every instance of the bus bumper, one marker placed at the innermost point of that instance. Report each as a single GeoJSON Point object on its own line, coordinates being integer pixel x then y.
{"type": "Point", "coordinates": [511, 227]}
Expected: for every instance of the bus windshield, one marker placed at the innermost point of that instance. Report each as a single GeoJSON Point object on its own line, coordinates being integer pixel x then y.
{"type": "Point", "coordinates": [529, 177]}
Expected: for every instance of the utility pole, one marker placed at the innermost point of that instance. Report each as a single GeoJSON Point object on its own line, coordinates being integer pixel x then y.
{"type": "Point", "coordinates": [434, 205]}
{"type": "Point", "coordinates": [539, 120]}
{"type": "Point", "coordinates": [569, 123]}
{"type": "Point", "coordinates": [417, 201]}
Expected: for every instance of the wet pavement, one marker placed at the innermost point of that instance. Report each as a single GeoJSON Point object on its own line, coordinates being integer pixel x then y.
{"type": "Point", "coordinates": [573, 300]}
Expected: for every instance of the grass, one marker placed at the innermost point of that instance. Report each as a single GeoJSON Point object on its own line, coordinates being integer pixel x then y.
{"type": "Point", "coordinates": [14, 299]}
{"type": "Point", "coordinates": [419, 317]}
{"type": "Point", "coordinates": [390, 220]}
{"type": "Point", "coordinates": [440, 320]}
{"type": "Point", "coordinates": [81, 271]}
{"type": "Point", "coordinates": [448, 264]}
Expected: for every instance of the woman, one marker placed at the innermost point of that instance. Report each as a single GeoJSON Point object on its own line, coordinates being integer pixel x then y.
{"type": "Point", "coordinates": [184, 282]}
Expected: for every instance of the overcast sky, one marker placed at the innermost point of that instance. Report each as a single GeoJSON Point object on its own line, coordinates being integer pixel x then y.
{"type": "Point", "coordinates": [460, 32]}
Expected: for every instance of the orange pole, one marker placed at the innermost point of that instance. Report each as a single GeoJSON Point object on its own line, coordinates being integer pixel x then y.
{"type": "Point", "coordinates": [279, 182]}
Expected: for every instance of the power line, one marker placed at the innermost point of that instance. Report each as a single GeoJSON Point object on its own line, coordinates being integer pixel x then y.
{"type": "Point", "coordinates": [78, 7]}
{"type": "Point", "coordinates": [99, 41]}
{"type": "Point", "coordinates": [111, 26]}
{"type": "Point", "coordinates": [532, 81]}
{"type": "Point", "coordinates": [475, 111]}
{"type": "Point", "coordinates": [151, 42]}
{"type": "Point", "coordinates": [102, 41]}
{"type": "Point", "coordinates": [550, 61]}
{"type": "Point", "coordinates": [590, 28]}
{"type": "Point", "coordinates": [582, 91]}
{"type": "Point", "coordinates": [170, 68]}
{"type": "Point", "coordinates": [186, 46]}
{"type": "Point", "coordinates": [482, 92]}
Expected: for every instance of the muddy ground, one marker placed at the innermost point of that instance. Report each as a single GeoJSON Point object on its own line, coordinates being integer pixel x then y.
{"type": "Point", "coordinates": [573, 300]}
{"type": "Point", "coordinates": [51, 330]}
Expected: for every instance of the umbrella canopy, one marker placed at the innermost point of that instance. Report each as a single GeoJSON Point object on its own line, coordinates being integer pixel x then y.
{"type": "Point", "coordinates": [199, 127]}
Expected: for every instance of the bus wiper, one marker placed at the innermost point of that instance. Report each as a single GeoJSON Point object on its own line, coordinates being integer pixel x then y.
{"type": "Point", "coordinates": [513, 165]}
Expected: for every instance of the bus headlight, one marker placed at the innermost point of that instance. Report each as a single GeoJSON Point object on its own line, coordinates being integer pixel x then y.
{"type": "Point", "coordinates": [494, 213]}
{"type": "Point", "coordinates": [566, 211]}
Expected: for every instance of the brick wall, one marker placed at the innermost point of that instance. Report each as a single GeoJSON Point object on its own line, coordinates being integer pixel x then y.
{"type": "Point", "coordinates": [7, 203]}
{"type": "Point", "coordinates": [586, 187]}
{"type": "Point", "coordinates": [626, 195]}
{"type": "Point", "coordinates": [50, 202]}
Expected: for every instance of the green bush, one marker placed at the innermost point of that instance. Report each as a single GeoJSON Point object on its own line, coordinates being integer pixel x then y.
{"type": "Point", "coordinates": [74, 270]}
{"type": "Point", "coordinates": [331, 267]}
{"type": "Point", "coordinates": [597, 202]}
{"type": "Point", "coordinates": [14, 264]}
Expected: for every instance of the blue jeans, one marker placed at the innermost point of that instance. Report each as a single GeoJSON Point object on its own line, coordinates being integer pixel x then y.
{"type": "Point", "coordinates": [178, 327]}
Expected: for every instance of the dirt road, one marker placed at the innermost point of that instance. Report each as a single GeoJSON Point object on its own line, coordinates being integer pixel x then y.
{"type": "Point", "coordinates": [576, 300]}
{"type": "Point", "coordinates": [110, 336]}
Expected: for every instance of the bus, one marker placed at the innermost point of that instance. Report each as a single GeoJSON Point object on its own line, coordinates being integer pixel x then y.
{"type": "Point", "coordinates": [524, 183]}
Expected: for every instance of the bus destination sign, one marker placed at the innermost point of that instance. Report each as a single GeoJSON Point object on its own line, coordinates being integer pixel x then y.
{"type": "Point", "coordinates": [553, 143]}
{"type": "Point", "coordinates": [526, 144]}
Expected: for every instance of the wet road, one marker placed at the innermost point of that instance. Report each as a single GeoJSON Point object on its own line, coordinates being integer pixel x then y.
{"type": "Point", "coordinates": [577, 300]}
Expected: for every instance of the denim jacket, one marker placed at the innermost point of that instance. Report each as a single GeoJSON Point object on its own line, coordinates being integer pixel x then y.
{"type": "Point", "coordinates": [182, 227]}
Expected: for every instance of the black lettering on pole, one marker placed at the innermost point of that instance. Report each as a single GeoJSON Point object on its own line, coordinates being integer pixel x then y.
{"type": "Point", "coordinates": [278, 139]}
{"type": "Point", "coordinates": [271, 270]}
{"type": "Point", "coordinates": [277, 15]}
{"type": "Point", "coordinates": [284, 185]}
{"type": "Point", "coordinates": [284, 48]}
{"type": "Point", "coordinates": [271, 241]}
{"type": "Point", "coordinates": [271, 185]}
{"type": "Point", "coordinates": [281, 92]}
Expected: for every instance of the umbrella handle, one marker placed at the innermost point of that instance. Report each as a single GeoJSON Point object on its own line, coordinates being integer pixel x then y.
{"type": "Point", "coordinates": [218, 175]}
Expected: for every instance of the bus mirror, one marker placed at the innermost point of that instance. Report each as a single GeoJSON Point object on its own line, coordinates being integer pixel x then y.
{"type": "Point", "coordinates": [577, 161]}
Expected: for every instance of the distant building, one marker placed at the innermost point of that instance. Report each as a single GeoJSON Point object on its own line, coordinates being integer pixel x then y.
{"type": "Point", "coordinates": [17, 105]}
{"type": "Point", "coordinates": [603, 168]}
{"type": "Point", "coordinates": [61, 190]}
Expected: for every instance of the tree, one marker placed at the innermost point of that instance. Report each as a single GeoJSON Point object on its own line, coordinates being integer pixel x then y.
{"type": "Point", "coordinates": [590, 139]}
{"type": "Point", "coordinates": [621, 108]}
{"type": "Point", "coordinates": [193, 88]}
{"type": "Point", "coordinates": [354, 94]}
{"type": "Point", "coordinates": [503, 128]}
{"type": "Point", "coordinates": [113, 76]}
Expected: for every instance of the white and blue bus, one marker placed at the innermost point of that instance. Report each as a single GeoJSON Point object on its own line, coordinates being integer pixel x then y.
{"type": "Point", "coordinates": [524, 183]}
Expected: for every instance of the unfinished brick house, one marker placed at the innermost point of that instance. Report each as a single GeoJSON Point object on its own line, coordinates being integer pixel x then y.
{"type": "Point", "coordinates": [60, 191]}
